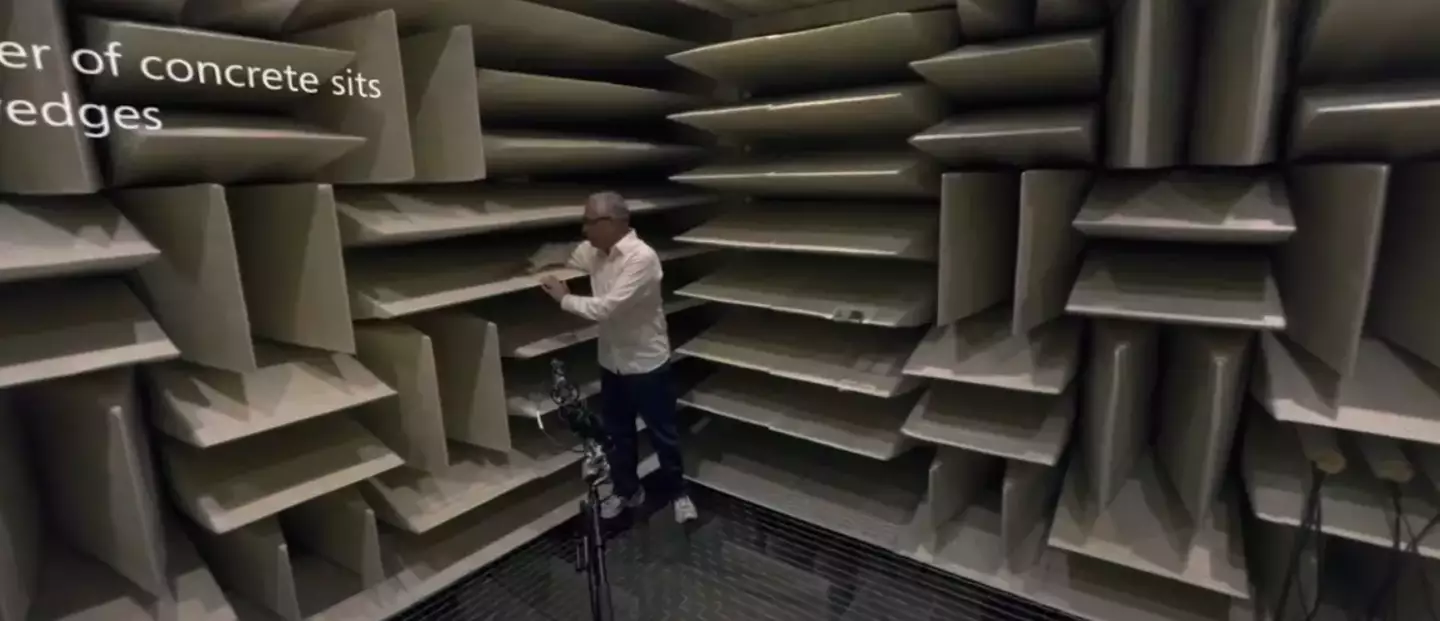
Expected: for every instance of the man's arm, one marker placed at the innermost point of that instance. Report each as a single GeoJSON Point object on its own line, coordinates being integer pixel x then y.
{"type": "Point", "coordinates": [637, 272]}
{"type": "Point", "coordinates": [581, 258]}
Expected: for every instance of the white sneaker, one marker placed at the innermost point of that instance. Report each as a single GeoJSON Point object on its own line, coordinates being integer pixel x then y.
{"type": "Point", "coordinates": [685, 510]}
{"type": "Point", "coordinates": [614, 505]}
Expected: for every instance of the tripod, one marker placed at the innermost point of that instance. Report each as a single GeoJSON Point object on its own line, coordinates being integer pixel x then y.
{"type": "Point", "coordinates": [590, 557]}
{"type": "Point", "coordinates": [595, 471]}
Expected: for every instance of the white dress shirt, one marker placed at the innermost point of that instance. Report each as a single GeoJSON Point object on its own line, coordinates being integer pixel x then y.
{"type": "Point", "coordinates": [627, 304]}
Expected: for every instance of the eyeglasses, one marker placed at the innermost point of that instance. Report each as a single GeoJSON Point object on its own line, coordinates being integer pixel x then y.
{"type": "Point", "coordinates": [590, 221]}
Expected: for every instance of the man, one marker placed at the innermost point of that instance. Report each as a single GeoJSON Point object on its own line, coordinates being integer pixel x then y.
{"type": "Point", "coordinates": [625, 276]}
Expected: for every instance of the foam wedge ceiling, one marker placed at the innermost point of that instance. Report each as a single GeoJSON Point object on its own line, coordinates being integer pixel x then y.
{"type": "Point", "coordinates": [1073, 298]}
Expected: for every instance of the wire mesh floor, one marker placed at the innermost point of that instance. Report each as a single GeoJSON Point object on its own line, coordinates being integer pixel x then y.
{"type": "Point", "coordinates": [739, 562]}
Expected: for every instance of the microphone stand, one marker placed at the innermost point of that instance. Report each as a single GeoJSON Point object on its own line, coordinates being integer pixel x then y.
{"type": "Point", "coordinates": [591, 556]}
{"type": "Point", "coordinates": [595, 471]}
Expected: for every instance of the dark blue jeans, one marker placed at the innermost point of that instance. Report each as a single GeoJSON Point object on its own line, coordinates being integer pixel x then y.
{"type": "Point", "coordinates": [652, 397]}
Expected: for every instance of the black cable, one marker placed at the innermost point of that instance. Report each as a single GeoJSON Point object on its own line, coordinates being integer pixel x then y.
{"type": "Point", "coordinates": [1377, 610]}
{"type": "Point", "coordinates": [1412, 549]}
{"type": "Point", "coordinates": [1415, 539]}
{"type": "Point", "coordinates": [1309, 530]}
{"type": "Point", "coordinates": [1398, 560]}
{"type": "Point", "coordinates": [1320, 544]}
{"type": "Point", "coordinates": [1297, 549]}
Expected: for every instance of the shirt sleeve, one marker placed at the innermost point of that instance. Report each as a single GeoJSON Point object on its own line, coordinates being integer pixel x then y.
{"type": "Point", "coordinates": [637, 272]}
{"type": "Point", "coordinates": [581, 257]}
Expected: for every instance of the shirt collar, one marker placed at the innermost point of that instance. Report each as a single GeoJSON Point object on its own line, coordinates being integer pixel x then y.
{"type": "Point", "coordinates": [626, 243]}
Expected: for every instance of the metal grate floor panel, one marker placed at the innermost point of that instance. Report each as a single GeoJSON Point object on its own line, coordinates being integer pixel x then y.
{"type": "Point", "coordinates": [739, 562]}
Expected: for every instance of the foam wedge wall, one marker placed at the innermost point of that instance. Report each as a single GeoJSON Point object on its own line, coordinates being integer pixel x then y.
{"type": "Point", "coordinates": [1072, 298]}
{"type": "Point", "coordinates": [1145, 291]}
{"type": "Point", "coordinates": [288, 344]}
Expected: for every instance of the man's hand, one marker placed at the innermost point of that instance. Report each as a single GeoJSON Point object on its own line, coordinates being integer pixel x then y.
{"type": "Point", "coordinates": [556, 289]}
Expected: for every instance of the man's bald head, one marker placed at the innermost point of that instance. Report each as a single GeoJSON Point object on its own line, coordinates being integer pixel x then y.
{"type": "Point", "coordinates": [607, 205]}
